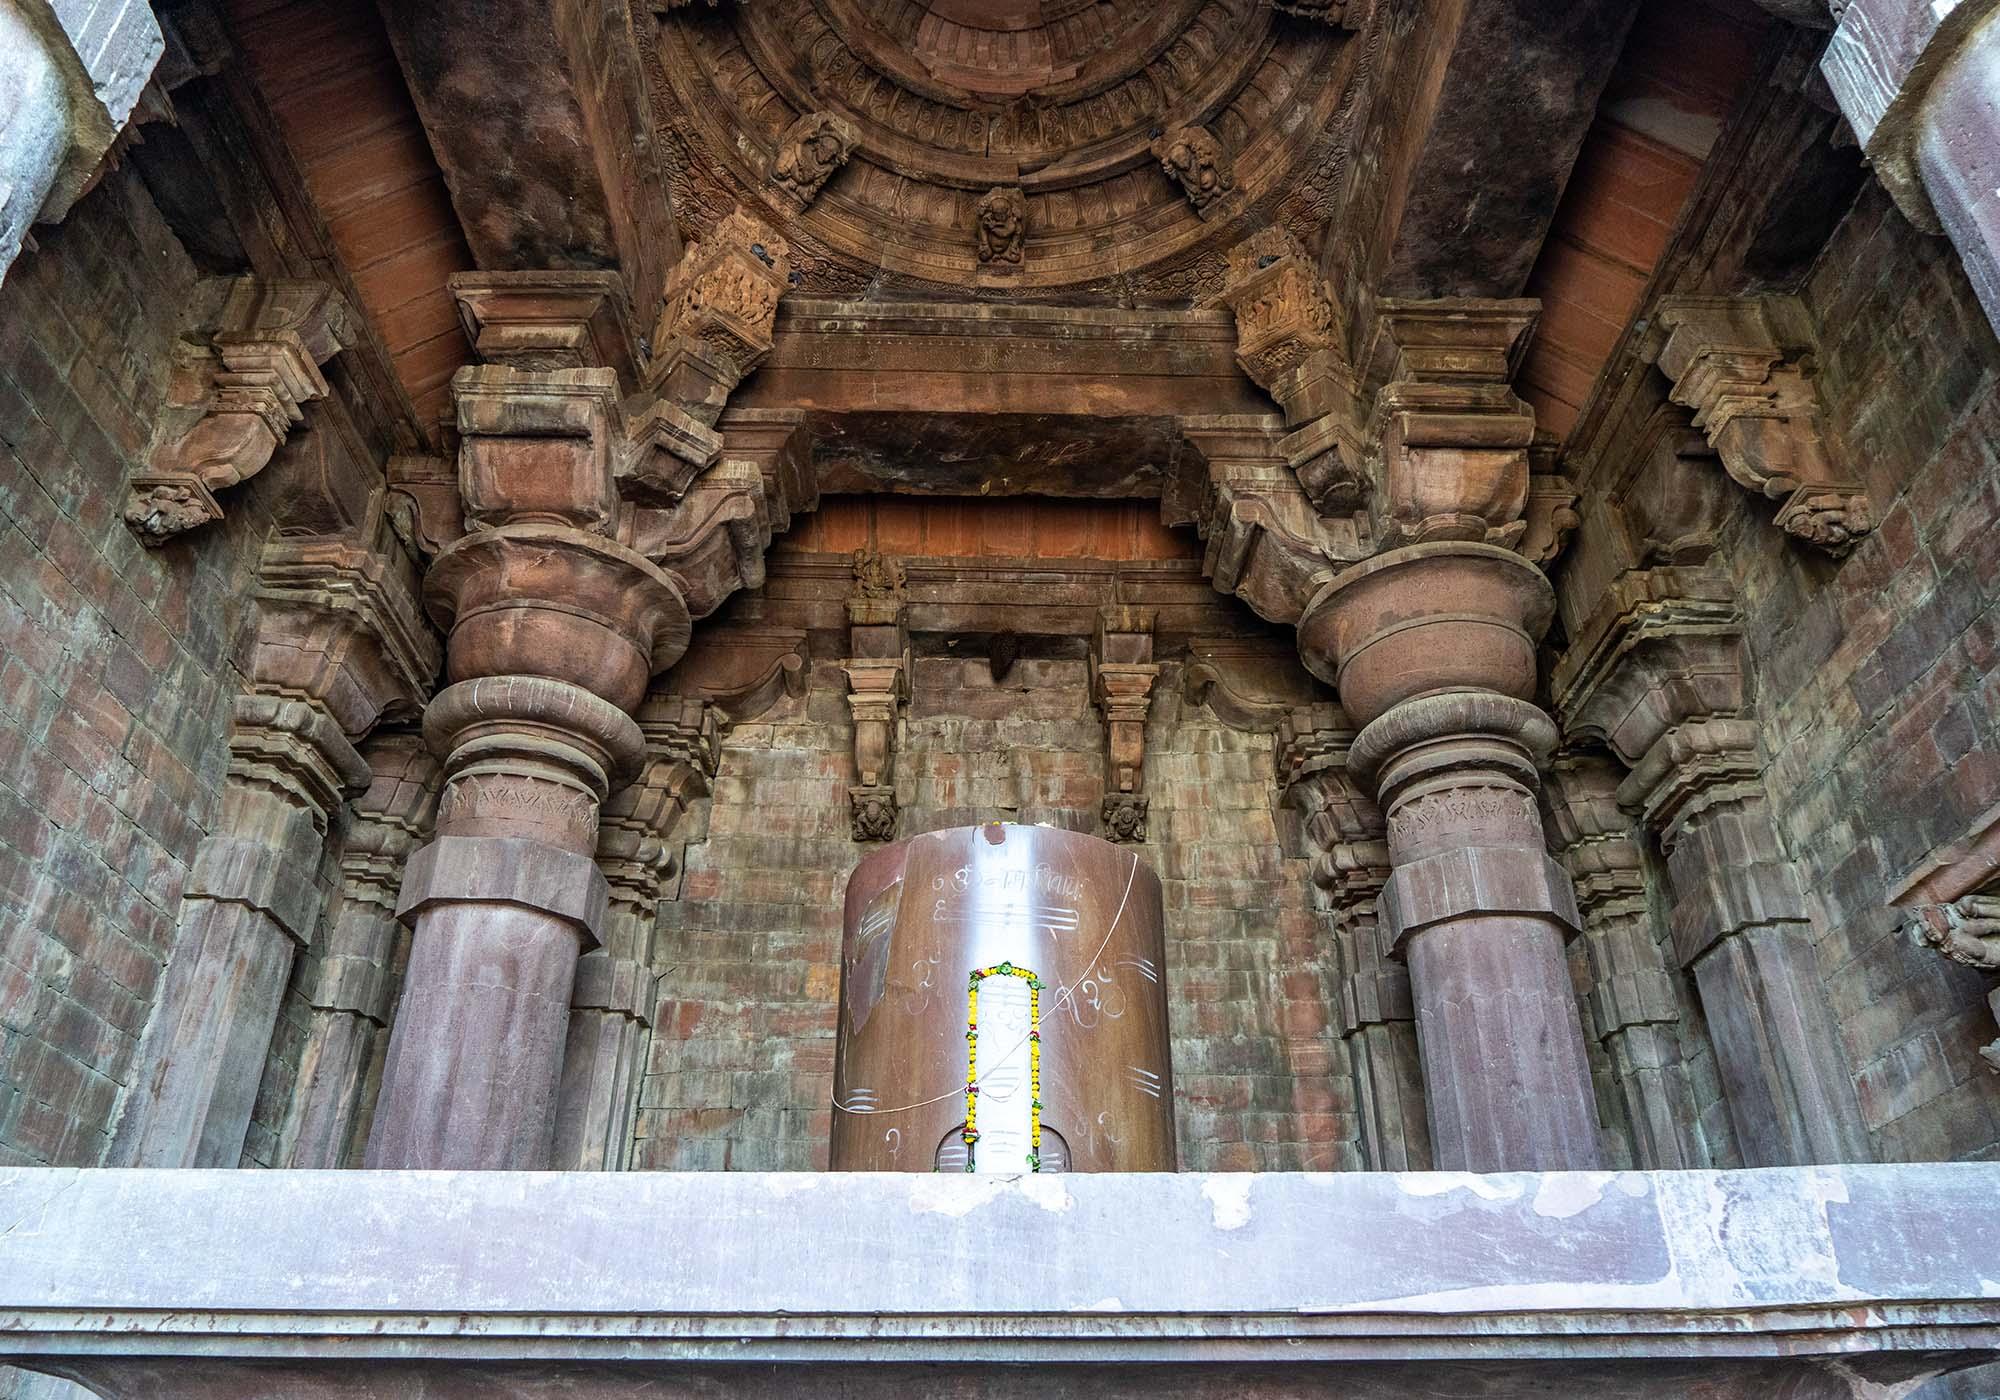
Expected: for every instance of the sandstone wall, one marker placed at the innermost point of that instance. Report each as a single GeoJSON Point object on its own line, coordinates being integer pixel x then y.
{"type": "Point", "coordinates": [116, 676]}
{"type": "Point", "coordinates": [1876, 677]}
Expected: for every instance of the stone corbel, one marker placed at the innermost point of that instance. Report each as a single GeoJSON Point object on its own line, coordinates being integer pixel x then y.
{"type": "Point", "coordinates": [1967, 931]}
{"type": "Point", "coordinates": [1671, 500]}
{"type": "Point", "coordinates": [878, 681]}
{"type": "Point", "coordinates": [721, 307]}
{"type": "Point", "coordinates": [739, 674]}
{"type": "Point", "coordinates": [1952, 901]}
{"type": "Point", "coordinates": [238, 393]}
{"type": "Point", "coordinates": [1451, 435]}
{"type": "Point", "coordinates": [1122, 676]}
{"type": "Point", "coordinates": [812, 149]}
{"type": "Point", "coordinates": [1742, 366]}
{"type": "Point", "coordinates": [1192, 157]}
{"type": "Point", "coordinates": [1550, 512]}
{"type": "Point", "coordinates": [1290, 340]}
{"type": "Point", "coordinates": [1265, 542]}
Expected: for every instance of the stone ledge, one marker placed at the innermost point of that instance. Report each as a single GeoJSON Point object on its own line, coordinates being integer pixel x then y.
{"type": "Point", "coordinates": [1819, 1276]}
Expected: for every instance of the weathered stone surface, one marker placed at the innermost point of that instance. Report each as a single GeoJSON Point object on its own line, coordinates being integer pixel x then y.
{"type": "Point", "coordinates": [1472, 1284]}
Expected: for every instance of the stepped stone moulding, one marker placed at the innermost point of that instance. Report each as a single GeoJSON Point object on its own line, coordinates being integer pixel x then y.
{"type": "Point", "coordinates": [1735, 363]}
{"type": "Point", "coordinates": [237, 393]}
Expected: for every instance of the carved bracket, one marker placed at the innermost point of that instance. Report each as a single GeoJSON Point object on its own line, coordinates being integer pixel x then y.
{"type": "Point", "coordinates": [1122, 676]}
{"type": "Point", "coordinates": [808, 154]}
{"type": "Point", "coordinates": [721, 307]}
{"type": "Point", "coordinates": [238, 394]}
{"type": "Point", "coordinates": [1192, 156]}
{"type": "Point", "coordinates": [1742, 366]}
{"type": "Point", "coordinates": [1967, 931]}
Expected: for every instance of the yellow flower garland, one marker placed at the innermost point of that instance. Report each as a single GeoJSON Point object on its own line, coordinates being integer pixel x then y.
{"type": "Point", "coordinates": [970, 1132]}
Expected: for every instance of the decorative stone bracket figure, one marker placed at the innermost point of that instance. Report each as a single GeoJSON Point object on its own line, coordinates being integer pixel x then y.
{"type": "Point", "coordinates": [1001, 227]}
{"type": "Point", "coordinates": [1122, 676]}
{"type": "Point", "coordinates": [1192, 156]}
{"type": "Point", "coordinates": [237, 394]}
{"type": "Point", "coordinates": [811, 150]}
{"type": "Point", "coordinates": [1967, 931]}
{"type": "Point", "coordinates": [1733, 361]}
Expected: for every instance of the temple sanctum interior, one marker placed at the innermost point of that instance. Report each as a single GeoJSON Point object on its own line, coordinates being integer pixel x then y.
{"type": "Point", "coordinates": [1191, 699]}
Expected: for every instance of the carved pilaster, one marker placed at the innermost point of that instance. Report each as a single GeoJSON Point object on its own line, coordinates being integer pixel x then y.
{"type": "Point", "coordinates": [721, 306]}
{"type": "Point", "coordinates": [337, 649]}
{"type": "Point", "coordinates": [1656, 675]}
{"type": "Point", "coordinates": [1634, 1009]}
{"type": "Point", "coordinates": [878, 680]}
{"type": "Point", "coordinates": [1347, 841]}
{"type": "Point", "coordinates": [352, 982]}
{"type": "Point", "coordinates": [236, 394]}
{"type": "Point", "coordinates": [1741, 364]}
{"type": "Point", "coordinates": [1122, 676]}
{"type": "Point", "coordinates": [611, 1005]}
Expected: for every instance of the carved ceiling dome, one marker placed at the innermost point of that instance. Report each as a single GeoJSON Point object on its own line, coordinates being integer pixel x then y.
{"type": "Point", "coordinates": [950, 100]}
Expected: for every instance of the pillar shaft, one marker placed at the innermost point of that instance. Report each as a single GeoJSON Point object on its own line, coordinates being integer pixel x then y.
{"type": "Point", "coordinates": [500, 905]}
{"type": "Point", "coordinates": [1481, 915]}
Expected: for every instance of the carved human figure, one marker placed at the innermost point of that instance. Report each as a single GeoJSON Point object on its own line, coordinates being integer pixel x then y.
{"type": "Point", "coordinates": [1193, 156]}
{"type": "Point", "coordinates": [1003, 225]}
{"type": "Point", "coordinates": [877, 575]}
{"type": "Point", "coordinates": [812, 148]}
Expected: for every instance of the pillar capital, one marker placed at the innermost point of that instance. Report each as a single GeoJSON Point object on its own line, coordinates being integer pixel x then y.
{"type": "Point", "coordinates": [1427, 617]}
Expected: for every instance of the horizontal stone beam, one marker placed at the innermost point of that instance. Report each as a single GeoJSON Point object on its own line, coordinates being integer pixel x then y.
{"type": "Point", "coordinates": [1816, 1278]}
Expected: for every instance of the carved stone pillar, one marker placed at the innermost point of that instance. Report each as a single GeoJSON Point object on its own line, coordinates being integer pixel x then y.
{"type": "Point", "coordinates": [351, 986]}
{"type": "Point", "coordinates": [611, 1005]}
{"type": "Point", "coordinates": [1345, 832]}
{"type": "Point", "coordinates": [338, 645]}
{"type": "Point", "coordinates": [554, 632]}
{"type": "Point", "coordinates": [1920, 84]}
{"type": "Point", "coordinates": [1122, 676]}
{"type": "Point", "coordinates": [878, 679]}
{"type": "Point", "coordinates": [1634, 1010]}
{"type": "Point", "coordinates": [1656, 674]}
{"type": "Point", "coordinates": [1432, 649]}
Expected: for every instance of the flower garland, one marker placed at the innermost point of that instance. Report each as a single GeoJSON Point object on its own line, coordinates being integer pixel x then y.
{"type": "Point", "coordinates": [971, 1130]}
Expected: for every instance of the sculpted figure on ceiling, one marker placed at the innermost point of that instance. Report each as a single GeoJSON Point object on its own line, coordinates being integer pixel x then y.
{"type": "Point", "coordinates": [812, 148]}
{"type": "Point", "coordinates": [1003, 225]}
{"type": "Point", "coordinates": [1193, 156]}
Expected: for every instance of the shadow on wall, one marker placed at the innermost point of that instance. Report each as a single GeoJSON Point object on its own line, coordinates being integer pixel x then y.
{"type": "Point", "coordinates": [1982, 1383]}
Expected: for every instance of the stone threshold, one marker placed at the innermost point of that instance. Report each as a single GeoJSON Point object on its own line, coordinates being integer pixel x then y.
{"type": "Point", "coordinates": [1807, 1282]}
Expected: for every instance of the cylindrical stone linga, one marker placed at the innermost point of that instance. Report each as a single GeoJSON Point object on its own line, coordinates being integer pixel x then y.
{"type": "Point", "coordinates": [502, 904]}
{"type": "Point", "coordinates": [1481, 914]}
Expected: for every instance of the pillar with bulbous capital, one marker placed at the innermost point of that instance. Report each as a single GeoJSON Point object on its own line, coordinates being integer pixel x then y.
{"type": "Point", "coordinates": [1432, 647]}
{"type": "Point", "coordinates": [554, 630]}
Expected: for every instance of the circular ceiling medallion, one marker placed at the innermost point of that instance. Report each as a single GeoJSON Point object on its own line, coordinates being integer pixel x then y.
{"type": "Point", "coordinates": [1058, 105]}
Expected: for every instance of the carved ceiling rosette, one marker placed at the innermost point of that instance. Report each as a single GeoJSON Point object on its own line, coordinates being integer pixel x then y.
{"type": "Point", "coordinates": [923, 107]}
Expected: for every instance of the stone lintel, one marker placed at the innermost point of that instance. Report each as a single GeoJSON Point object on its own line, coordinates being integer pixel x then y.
{"type": "Point", "coordinates": [1730, 1284]}
{"type": "Point", "coordinates": [1475, 881]}
{"type": "Point", "coordinates": [504, 870]}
